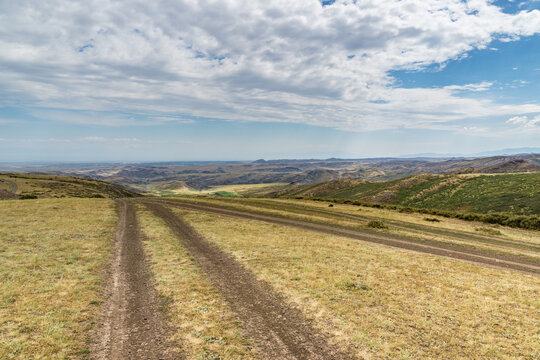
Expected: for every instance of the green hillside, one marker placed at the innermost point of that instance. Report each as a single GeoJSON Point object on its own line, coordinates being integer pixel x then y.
{"type": "Point", "coordinates": [26, 186]}
{"type": "Point", "coordinates": [475, 193]}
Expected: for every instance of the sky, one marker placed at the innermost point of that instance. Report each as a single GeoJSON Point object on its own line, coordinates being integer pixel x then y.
{"type": "Point", "coordinates": [173, 80]}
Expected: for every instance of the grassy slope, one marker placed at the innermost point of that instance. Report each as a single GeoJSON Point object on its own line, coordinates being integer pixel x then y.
{"type": "Point", "coordinates": [230, 190]}
{"type": "Point", "coordinates": [514, 193]}
{"type": "Point", "coordinates": [385, 303]}
{"type": "Point", "coordinates": [203, 322]}
{"type": "Point", "coordinates": [52, 253]}
{"type": "Point", "coordinates": [49, 186]}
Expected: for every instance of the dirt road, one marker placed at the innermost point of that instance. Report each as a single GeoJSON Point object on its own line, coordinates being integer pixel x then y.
{"type": "Point", "coordinates": [508, 261]}
{"type": "Point", "coordinates": [412, 227]}
{"type": "Point", "coordinates": [280, 330]}
{"type": "Point", "coordinates": [130, 325]}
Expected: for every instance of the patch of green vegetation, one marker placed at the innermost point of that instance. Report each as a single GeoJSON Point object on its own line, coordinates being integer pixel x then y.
{"type": "Point", "coordinates": [225, 193]}
{"type": "Point", "coordinates": [512, 193]}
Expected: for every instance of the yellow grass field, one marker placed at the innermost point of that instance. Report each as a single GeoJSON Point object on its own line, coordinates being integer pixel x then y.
{"type": "Point", "coordinates": [240, 190]}
{"type": "Point", "coordinates": [53, 253]}
{"type": "Point", "coordinates": [385, 303]}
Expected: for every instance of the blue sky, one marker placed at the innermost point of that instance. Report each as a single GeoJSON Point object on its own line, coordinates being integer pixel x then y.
{"type": "Point", "coordinates": [235, 80]}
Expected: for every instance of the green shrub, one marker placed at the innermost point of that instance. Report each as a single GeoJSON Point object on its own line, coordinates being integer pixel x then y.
{"type": "Point", "coordinates": [376, 224]}
{"type": "Point", "coordinates": [27, 197]}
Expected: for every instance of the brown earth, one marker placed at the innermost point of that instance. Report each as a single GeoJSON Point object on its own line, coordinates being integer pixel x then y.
{"type": "Point", "coordinates": [131, 326]}
{"type": "Point", "coordinates": [8, 195]}
{"type": "Point", "coordinates": [508, 261]}
{"type": "Point", "coordinates": [281, 330]}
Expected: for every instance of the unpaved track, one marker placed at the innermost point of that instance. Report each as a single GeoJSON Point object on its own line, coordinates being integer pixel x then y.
{"type": "Point", "coordinates": [414, 227]}
{"type": "Point", "coordinates": [131, 325]}
{"type": "Point", "coordinates": [472, 255]}
{"type": "Point", "coordinates": [280, 330]}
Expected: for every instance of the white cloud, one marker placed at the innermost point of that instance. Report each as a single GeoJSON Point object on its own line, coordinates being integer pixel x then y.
{"type": "Point", "coordinates": [517, 120]}
{"type": "Point", "coordinates": [483, 86]}
{"type": "Point", "coordinates": [93, 138]}
{"type": "Point", "coordinates": [524, 122]}
{"type": "Point", "coordinates": [281, 60]}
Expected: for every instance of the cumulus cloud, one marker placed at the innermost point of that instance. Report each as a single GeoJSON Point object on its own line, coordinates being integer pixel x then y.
{"type": "Point", "coordinates": [289, 61]}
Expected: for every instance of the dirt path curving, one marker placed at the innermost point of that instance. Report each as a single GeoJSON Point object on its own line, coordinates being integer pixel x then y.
{"type": "Point", "coordinates": [507, 261]}
{"type": "Point", "coordinates": [414, 227]}
{"type": "Point", "coordinates": [131, 325]}
{"type": "Point", "coordinates": [280, 330]}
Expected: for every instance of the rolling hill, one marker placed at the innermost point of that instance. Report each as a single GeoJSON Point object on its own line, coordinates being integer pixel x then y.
{"type": "Point", "coordinates": [477, 193]}
{"type": "Point", "coordinates": [25, 186]}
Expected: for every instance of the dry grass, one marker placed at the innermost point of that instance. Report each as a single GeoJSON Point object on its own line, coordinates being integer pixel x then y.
{"type": "Point", "coordinates": [52, 254]}
{"type": "Point", "coordinates": [445, 223]}
{"type": "Point", "coordinates": [203, 323]}
{"type": "Point", "coordinates": [385, 303]}
{"type": "Point", "coordinates": [412, 218]}
{"type": "Point", "coordinates": [364, 225]}
{"type": "Point", "coordinates": [239, 189]}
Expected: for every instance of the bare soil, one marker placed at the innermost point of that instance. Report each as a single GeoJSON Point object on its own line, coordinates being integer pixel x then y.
{"type": "Point", "coordinates": [280, 330]}
{"type": "Point", "coordinates": [507, 261]}
{"type": "Point", "coordinates": [4, 194]}
{"type": "Point", "coordinates": [131, 326]}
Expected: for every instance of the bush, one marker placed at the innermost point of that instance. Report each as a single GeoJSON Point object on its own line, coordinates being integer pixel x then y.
{"type": "Point", "coordinates": [27, 197]}
{"type": "Point", "coordinates": [376, 224]}
{"type": "Point", "coordinates": [488, 231]}
{"type": "Point", "coordinates": [432, 219]}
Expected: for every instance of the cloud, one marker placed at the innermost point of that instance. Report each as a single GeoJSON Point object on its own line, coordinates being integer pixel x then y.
{"type": "Point", "coordinates": [286, 61]}
{"type": "Point", "coordinates": [525, 123]}
{"type": "Point", "coordinates": [519, 120]}
{"type": "Point", "coordinates": [483, 86]}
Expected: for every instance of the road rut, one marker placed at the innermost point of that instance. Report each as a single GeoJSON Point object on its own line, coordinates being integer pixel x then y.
{"type": "Point", "coordinates": [471, 255]}
{"type": "Point", "coordinates": [131, 325]}
{"type": "Point", "coordinates": [280, 330]}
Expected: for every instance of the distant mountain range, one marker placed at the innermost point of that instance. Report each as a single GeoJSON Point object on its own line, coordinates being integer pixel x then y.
{"type": "Point", "coordinates": [503, 152]}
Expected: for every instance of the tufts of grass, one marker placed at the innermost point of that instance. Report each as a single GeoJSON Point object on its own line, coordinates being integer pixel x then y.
{"type": "Point", "coordinates": [52, 255]}
{"type": "Point", "coordinates": [488, 231]}
{"type": "Point", "coordinates": [432, 219]}
{"type": "Point", "coordinates": [376, 224]}
{"type": "Point", "coordinates": [201, 318]}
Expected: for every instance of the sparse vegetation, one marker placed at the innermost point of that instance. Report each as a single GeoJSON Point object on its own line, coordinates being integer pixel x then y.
{"type": "Point", "coordinates": [49, 186]}
{"type": "Point", "coordinates": [52, 255]}
{"type": "Point", "coordinates": [377, 224]}
{"type": "Point", "coordinates": [488, 231]}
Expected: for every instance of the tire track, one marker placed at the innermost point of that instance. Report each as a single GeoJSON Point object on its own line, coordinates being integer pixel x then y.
{"type": "Point", "coordinates": [471, 255]}
{"type": "Point", "coordinates": [131, 325]}
{"type": "Point", "coordinates": [281, 331]}
{"type": "Point", "coordinates": [419, 228]}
